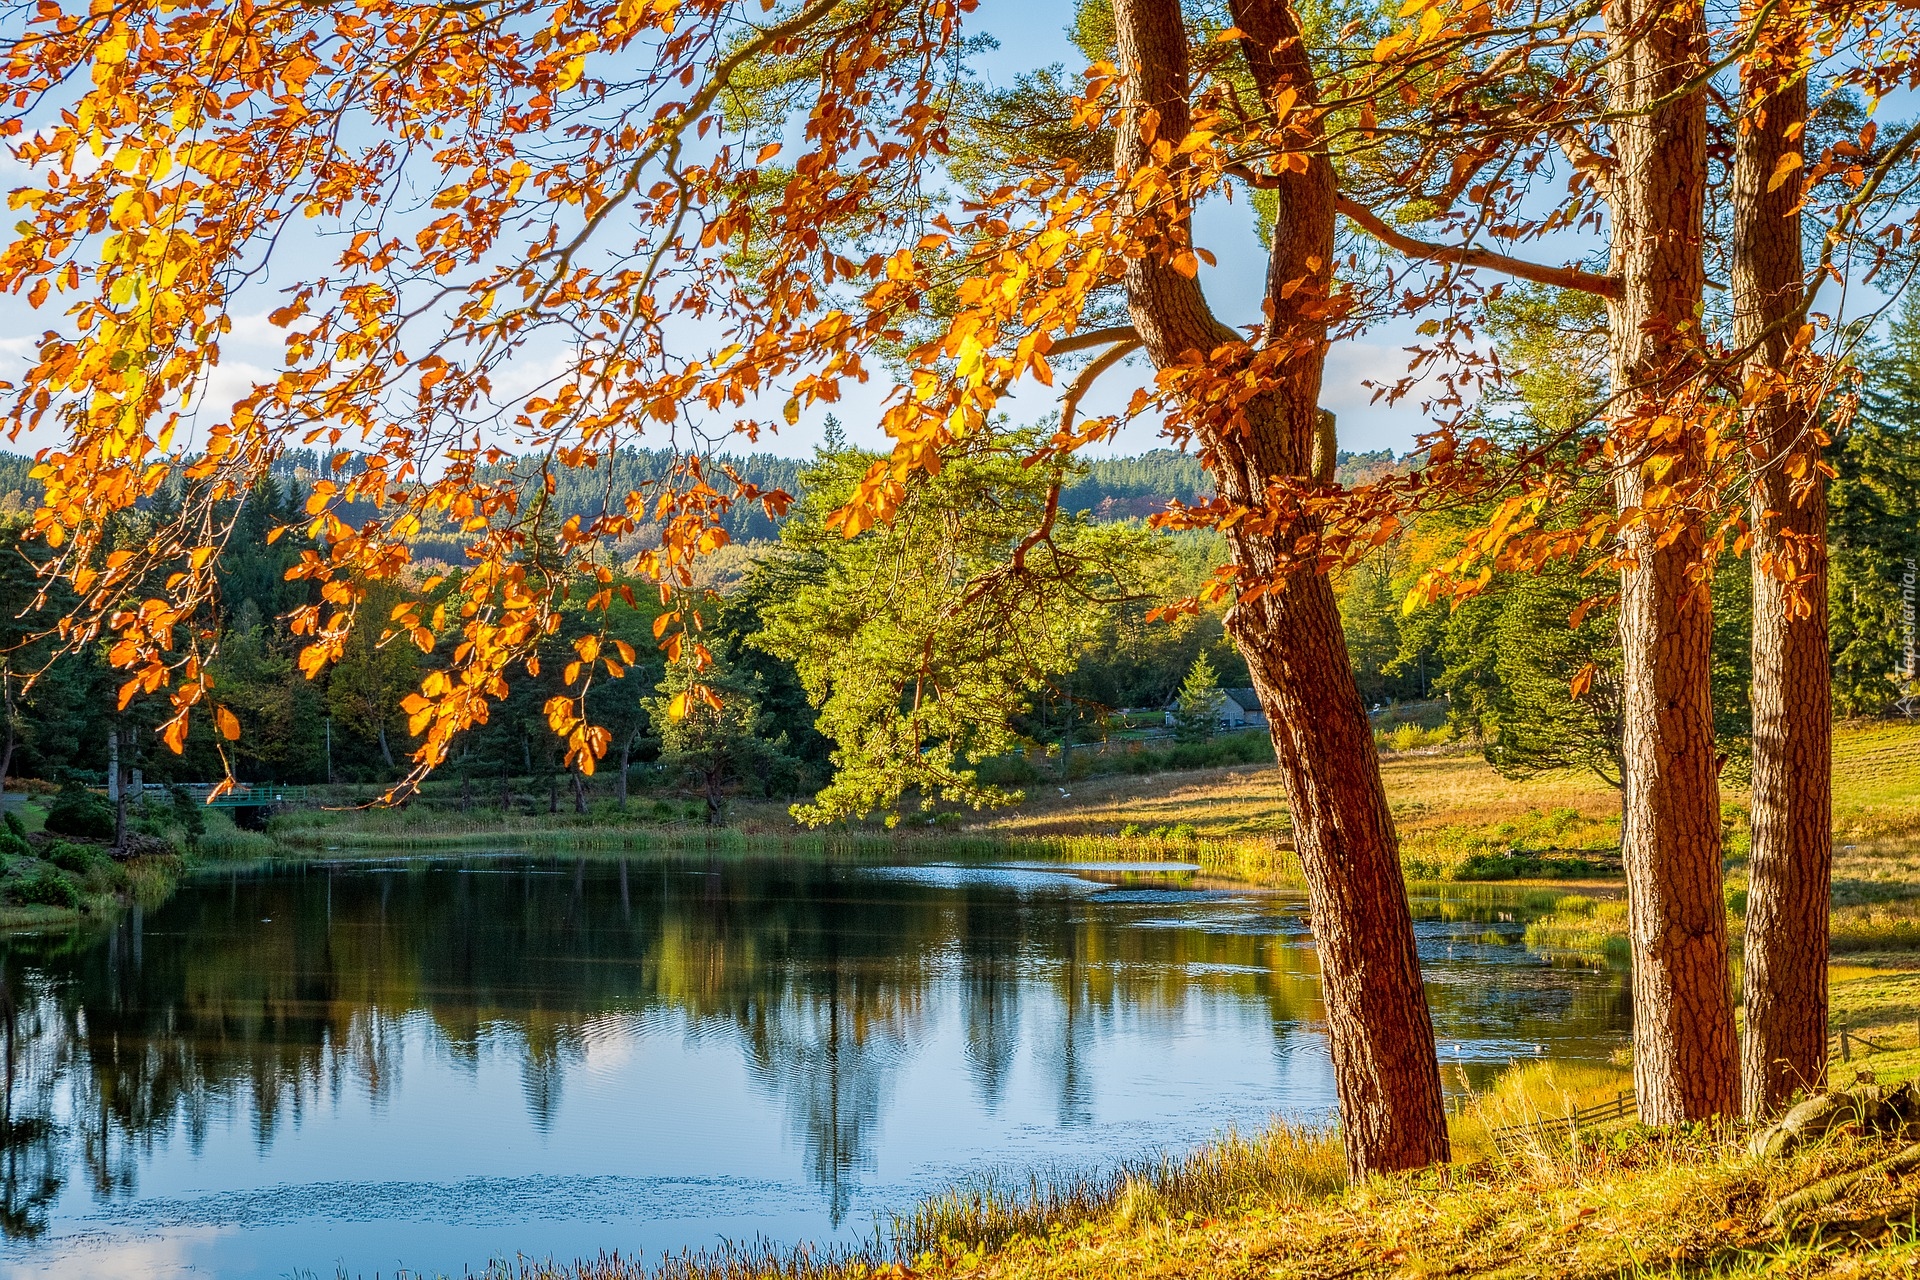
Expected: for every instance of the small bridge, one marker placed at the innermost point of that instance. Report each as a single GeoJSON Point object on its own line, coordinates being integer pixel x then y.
{"type": "Point", "coordinates": [240, 797]}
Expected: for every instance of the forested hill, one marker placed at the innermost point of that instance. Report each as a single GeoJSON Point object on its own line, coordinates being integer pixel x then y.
{"type": "Point", "coordinates": [1110, 488]}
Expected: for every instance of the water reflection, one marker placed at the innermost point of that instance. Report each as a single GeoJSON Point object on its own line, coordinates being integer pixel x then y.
{"type": "Point", "coordinates": [228, 1059]}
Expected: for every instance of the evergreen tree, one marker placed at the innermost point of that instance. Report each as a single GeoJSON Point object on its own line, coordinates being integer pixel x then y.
{"type": "Point", "coordinates": [1197, 713]}
{"type": "Point", "coordinates": [1874, 526]}
{"type": "Point", "coordinates": [1536, 721]}
{"type": "Point", "coordinates": [713, 733]}
{"type": "Point", "coordinates": [921, 639]}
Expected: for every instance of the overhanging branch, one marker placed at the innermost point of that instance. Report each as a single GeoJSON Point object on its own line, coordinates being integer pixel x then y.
{"type": "Point", "coordinates": [1471, 256]}
{"type": "Point", "coordinates": [1070, 404]}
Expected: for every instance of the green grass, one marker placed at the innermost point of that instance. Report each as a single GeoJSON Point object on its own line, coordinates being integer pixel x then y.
{"type": "Point", "coordinates": [1581, 926]}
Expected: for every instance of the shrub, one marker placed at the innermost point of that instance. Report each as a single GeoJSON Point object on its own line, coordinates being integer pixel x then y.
{"type": "Point", "coordinates": [81, 813]}
{"type": "Point", "coordinates": [13, 846]}
{"type": "Point", "coordinates": [1006, 771]}
{"type": "Point", "coordinates": [16, 828]}
{"type": "Point", "coordinates": [77, 858]}
{"type": "Point", "coordinates": [46, 887]}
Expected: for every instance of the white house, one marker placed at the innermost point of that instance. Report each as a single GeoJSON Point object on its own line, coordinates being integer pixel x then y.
{"type": "Point", "coordinates": [1239, 709]}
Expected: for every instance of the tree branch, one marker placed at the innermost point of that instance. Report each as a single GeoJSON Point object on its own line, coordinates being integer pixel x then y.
{"type": "Point", "coordinates": [1093, 338]}
{"type": "Point", "coordinates": [1070, 403]}
{"type": "Point", "coordinates": [1469, 256]}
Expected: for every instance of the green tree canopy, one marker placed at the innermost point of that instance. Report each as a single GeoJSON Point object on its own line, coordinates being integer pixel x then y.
{"type": "Point", "coordinates": [918, 641]}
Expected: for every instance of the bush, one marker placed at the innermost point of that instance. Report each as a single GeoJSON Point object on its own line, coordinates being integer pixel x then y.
{"type": "Point", "coordinates": [16, 828]}
{"type": "Point", "coordinates": [81, 813]}
{"type": "Point", "coordinates": [77, 858]}
{"type": "Point", "coordinates": [46, 887]}
{"type": "Point", "coordinates": [13, 846]}
{"type": "Point", "coordinates": [1006, 771]}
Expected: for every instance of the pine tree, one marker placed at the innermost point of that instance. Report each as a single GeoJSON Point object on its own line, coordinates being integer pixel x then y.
{"type": "Point", "coordinates": [1874, 525]}
{"type": "Point", "coordinates": [1197, 713]}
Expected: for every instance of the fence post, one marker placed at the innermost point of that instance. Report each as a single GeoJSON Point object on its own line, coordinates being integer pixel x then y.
{"type": "Point", "coordinates": [1846, 1048]}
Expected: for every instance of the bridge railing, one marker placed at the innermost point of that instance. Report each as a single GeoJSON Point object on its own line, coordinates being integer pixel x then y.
{"type": "Point", "coordinates": [242, 797]}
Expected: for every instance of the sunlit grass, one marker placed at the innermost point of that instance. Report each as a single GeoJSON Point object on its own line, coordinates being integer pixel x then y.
{"type": "Point", "coordinates": [1619, 1202]}
{"type": "Point", "coordinates": [1582, 926]}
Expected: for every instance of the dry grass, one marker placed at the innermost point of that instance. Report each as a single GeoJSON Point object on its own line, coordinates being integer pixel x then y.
{"type": "Point", "coordinates": [1458, 819]}
{"type": "Point", "coordinates": [1629, 1203]}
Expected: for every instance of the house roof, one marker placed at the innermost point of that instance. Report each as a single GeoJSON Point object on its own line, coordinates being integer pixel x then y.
{"type": "Point", "coordinates": [1247, 698]}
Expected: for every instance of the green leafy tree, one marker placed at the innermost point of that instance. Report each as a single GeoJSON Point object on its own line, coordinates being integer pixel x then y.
{"type": "Point", "coordinates": [920, 640]}
{"type": "Point", "coordinates": [713, 733]}
{"type": "Point", "coordinates": [365, 687]}
{"type": "Point", "coordinates": [1196, 713]}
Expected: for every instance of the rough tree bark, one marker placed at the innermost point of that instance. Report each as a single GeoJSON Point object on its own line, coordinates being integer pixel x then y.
{"type": "Point", "coordinates": [1784, 1048]}
{"type": "Point", "coordinates": [1685, 1062]}
{"type": "Point", "coordinates": [1385, 1067]}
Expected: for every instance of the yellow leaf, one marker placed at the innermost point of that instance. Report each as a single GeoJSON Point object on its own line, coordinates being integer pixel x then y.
{"type": "Point", "coordinates": [228, 723]}
{"type": "Point", "coordinates": [1784, 170]}
{"type": "Point", "coordinates": [677, 709]}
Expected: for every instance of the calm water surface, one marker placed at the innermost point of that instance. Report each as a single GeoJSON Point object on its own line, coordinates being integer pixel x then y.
{"type": "Point", "coordinates": [422, 1066]}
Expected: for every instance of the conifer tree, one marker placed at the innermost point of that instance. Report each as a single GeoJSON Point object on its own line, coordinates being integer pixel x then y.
{"type": "Point", "coordinates": [1197, 710]}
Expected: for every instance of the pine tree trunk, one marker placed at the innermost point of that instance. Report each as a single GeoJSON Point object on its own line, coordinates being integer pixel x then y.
{"type": "Point", "coordinates": [1686, 1063]}
{"type": "Point", "coordinates": [1385, 1068]}
{"type": "Point", "coordinates": [626, 767]}
{"type": "Point", "coordinates": [1791, 867]}
{"type": "Point", "coordinates": [579, 794]}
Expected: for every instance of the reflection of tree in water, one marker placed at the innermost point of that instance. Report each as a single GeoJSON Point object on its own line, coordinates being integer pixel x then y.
{"type": "Point", "coordinates": [256, 999]}
{"type": "Point", "coordinates": [33, 1171]}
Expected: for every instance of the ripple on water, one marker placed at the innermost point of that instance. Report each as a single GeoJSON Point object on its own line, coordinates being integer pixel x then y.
{"type": "Point", "coordinates": [468, 1202]}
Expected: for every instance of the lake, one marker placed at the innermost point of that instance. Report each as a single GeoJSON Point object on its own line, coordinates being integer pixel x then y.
{"type": "Point", "coordinates": [314, 1069]}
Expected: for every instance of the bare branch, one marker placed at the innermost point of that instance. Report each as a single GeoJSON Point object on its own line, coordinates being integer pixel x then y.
{"type": "Point", "coordinates": [1082, 382]}
{"type": "Point", "coordinates": [1093, 338]}
{"type": "Point", "coordinates": [1471, 256]}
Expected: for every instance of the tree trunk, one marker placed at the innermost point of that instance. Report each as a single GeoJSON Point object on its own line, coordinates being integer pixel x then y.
{"type": "Point", "coordinates": [1791, 867]}
{"type": "Point", "coordinates": [506, 792]}
{"type": "Point", "coordinates": [579, 794]}
{"type": "Point", "coordinates": [466, 792]}
{"type": "Point", "coordinates": [553, 793]}
{"type": "Point", "coordinates": [626, 766]}
{"type": "Point", "coordinates": [1685, 1057]}
{"type": "Point", "coordinates": [13, 736]}
{"type": "Point", "coordinates": [120, 813]}
{"type": "Point", "coordinates": [1385, 1069]}
{"type": "Point", "coordinates": [386, 752]}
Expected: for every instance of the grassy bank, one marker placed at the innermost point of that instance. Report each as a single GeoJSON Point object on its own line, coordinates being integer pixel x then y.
{"type": "Point", "coordinates": [1459, 821]}
{"type": "Point", "coordinates": [57, 880]}
{"type": "Point", "coordinates": [1619, 1201]}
